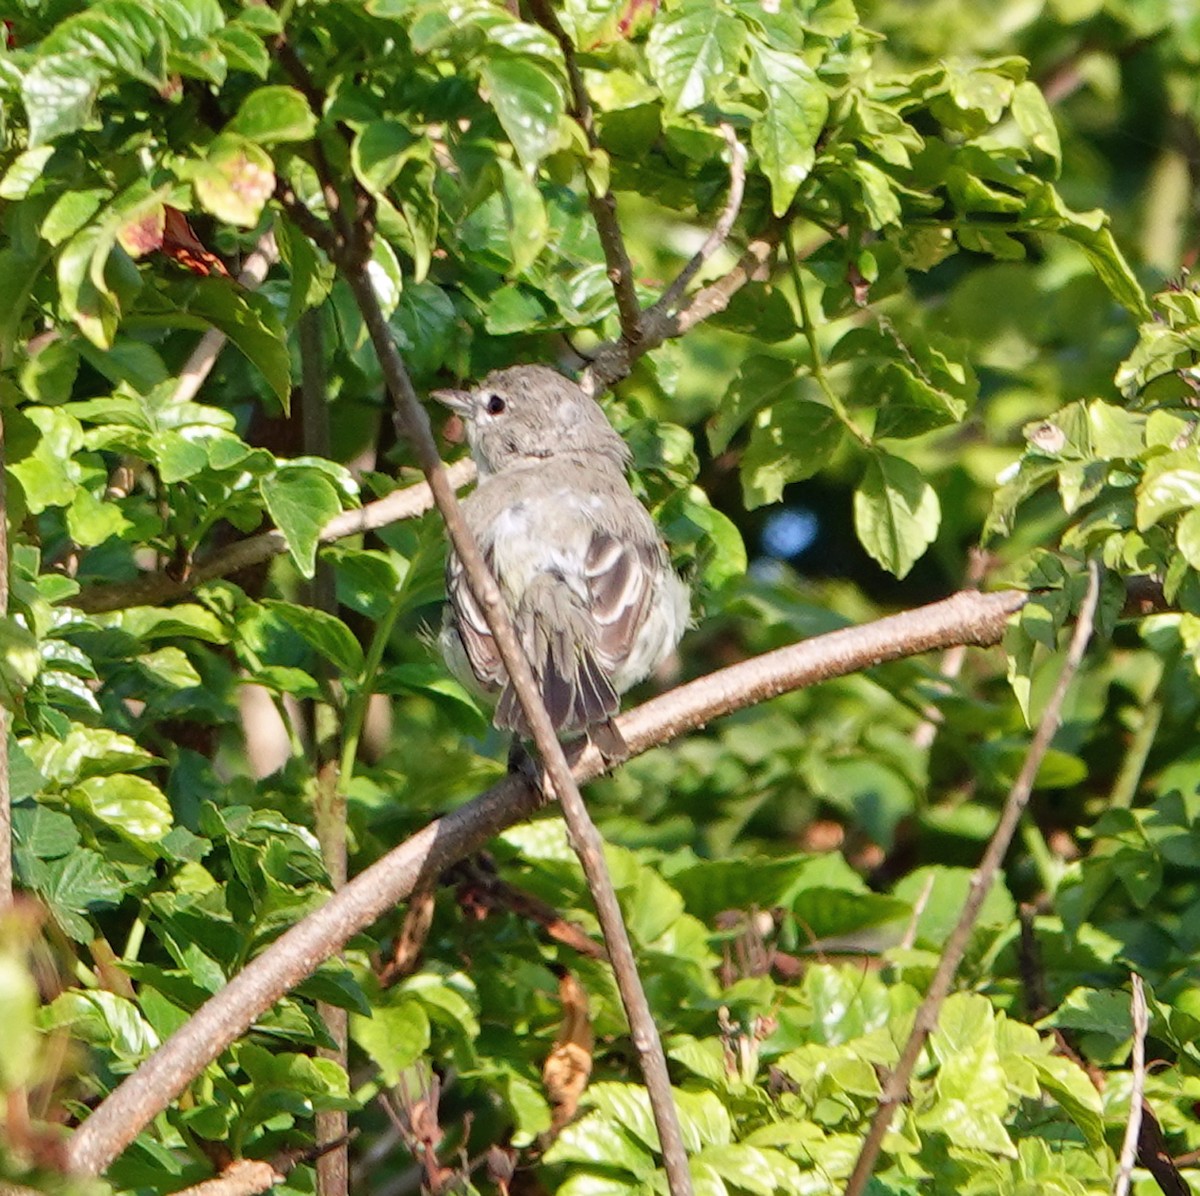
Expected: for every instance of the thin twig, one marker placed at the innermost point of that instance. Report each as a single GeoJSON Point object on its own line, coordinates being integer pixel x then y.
{"type": "Point", "coordinates": [602, 203]}
{"type": "Point", "coordinates": [154, 588]}
{"type": "Point", "coordinates": [968, 617]}
{"type": "Point", "coordinates": [895, 1087]}
{"type": "Point", "coordinates": [720, 231]}
{"type": "Point", "coordinates": [329, 793]}
{"type": "Point", "coordinates": [611, 361]}
{"type": "Point", "coordinates": [1137, 1091]}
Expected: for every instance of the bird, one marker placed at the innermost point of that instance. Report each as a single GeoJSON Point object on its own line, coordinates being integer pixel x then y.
{"type": "Point", "coordinates": [579, 562]}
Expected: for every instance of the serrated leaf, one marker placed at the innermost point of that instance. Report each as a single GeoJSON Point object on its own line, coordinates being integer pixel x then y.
{"type": "Point", "coordinates": [785, 136]}
{"type": "Point", "coordinates": [130, 805]}
{"type": "Point", "coordinates": [76, 884]}
{"type": "Point", "coordinates": [896, 512]}
{"type": "Point", "coordinates": [790, 442]}
{"type": "Point", "coordinates": [528, 102]}
{"type": "Point", "coordinates": [301, 501]}
{"type": "Point", "coordinates": [692, 51]}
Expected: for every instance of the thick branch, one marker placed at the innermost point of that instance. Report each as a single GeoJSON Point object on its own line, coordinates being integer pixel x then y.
{"type": "Point", "coordinates": [968, 617]}
{"type": "Point", "coordinates": [154, 588]}
{"type": "Point", "coordinates": [895, 1087]}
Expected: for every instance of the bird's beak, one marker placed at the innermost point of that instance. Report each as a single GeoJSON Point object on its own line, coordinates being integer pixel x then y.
{"type": "Point", "coordinates": [456, 400]}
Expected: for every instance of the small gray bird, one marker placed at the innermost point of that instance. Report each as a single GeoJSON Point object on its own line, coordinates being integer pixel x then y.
{"type": "Point", "coordinates": [577, 558]}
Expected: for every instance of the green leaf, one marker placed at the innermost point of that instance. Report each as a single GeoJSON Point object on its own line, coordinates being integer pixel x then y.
{"type": "Point", "coordinates": [20, 662]}
{"type": "Point", "coordinates": [1066, 1083]}
{"type": "Point", "coordinates": [785, 136]}
{"type": "Point", "coordinates": [896, 512]}
{"type": "Point", "coordinates": [395, 1036]}
{"type": "Point", "coordinates": [1035, 120]}
{"type": "Point", "coordinates": [380, 151]}
{"type": "Point", "coordinates": [103, 1019]}
{"type": "Point", "coordinates": [327, 634]}
{"type": "Point", "coordinates": [529, 103]}
{"type": "Point", "coordinates": [790, 442]}
{"type": "Point", "coordinates": [252, 324]}
{"type": "Point", "coordinates": [45, 833]}
{"type": "Point", "coordinates": [301, 500]}
{"type": "Point", "coordinates": [25, 170]}
{"type": "Point", "coordinates": [273, 114]}
{"type": "Point", "coordinates": [130, 805]}
{"type": "Point", "coordinates": [1109, 263]}
{"type": "Point", "coordinates": [75, 885]}
{"type": "Point", "coordinates": [528, 227]}
{"type": "Point", "coordinates": [87, 752]}
{"type": "Point", "coordinates": [693, 50]}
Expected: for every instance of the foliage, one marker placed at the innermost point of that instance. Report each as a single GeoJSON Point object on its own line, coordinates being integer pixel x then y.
{"type": "Point", "coordinates": [949, 348]}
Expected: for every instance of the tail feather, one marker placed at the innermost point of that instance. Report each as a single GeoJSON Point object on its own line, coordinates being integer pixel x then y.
{"type": "Point", "coordinates": [559, 637]}
{"type": "Point", "coordinates": [575, 698]}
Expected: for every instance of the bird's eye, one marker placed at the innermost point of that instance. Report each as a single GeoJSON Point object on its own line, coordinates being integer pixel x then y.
{"type": "Point", "coordinates": [495, 405]}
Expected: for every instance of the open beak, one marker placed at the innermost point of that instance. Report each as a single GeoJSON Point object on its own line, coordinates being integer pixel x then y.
{"type": "Point", "coordinates": [457, 400]}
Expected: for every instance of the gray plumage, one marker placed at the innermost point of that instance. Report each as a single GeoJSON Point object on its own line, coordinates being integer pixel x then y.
{"type": "Point", "coordinates": [577, 558]}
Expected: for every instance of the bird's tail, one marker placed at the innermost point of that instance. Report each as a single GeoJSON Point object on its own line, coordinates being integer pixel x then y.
{"type": "Point", "coordinates": [559, 638]}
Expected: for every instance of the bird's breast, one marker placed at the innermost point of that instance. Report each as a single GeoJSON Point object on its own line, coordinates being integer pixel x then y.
{"type": "Point", "coordinates": [545, 533]}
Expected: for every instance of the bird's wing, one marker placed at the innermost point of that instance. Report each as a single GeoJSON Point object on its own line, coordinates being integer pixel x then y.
{"type": "Point", "coordinates": [621, 577]}
{"type": "Point", "coordinates": [472, 626]}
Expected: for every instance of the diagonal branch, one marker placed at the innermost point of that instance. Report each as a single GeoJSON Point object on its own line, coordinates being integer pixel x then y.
{"type": "Point", "coordinates": [154, 588]}
{"type": "Point", "coordinates": [968, 617]}
{"type": "Point", "coordinates": [720, 231]}
{"type": "Point", "coordinates": [895, 1088]}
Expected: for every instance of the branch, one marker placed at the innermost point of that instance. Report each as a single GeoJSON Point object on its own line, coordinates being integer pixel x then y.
{"type": "Point", "coordinates": [895, 1088]}
{"type": "Point", "coordinates": [603, 205]}
{"type": "Point", "coordinates": [1133, 1128]}
{"type": "Point", "coordinates": [611, 361]}
{"type": "Point", "coordinates": [244, 1177]}
{"type": "Point", "coordinates": [968, 617]}
{"type": "Point", "coordinates": [152, 589]}
{"type": "Point", "coordinates": [720, 233]}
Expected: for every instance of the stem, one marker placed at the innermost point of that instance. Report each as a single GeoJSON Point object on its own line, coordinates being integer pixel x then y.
{"type": "Point", "coordinates": [817, 368]}
{"type": "Point", "coordinates": [1126, 785]}
{"type": "Point", "coordinates": [358, 702]}
{"type": "Point", "coordinates": [133, 944]}
{"type": "Point", "coordinates": [895, 1087]}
